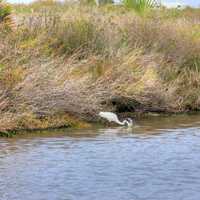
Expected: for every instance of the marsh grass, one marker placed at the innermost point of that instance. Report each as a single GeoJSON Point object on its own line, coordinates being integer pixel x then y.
{"type": "Point", "coordinates": [78, 58]}
{"type": "Point", "coordinates": [80, 35]}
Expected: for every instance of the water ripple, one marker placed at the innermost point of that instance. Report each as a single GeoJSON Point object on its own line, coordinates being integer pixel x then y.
{"type": "Point", "coordinates": [151, 161]}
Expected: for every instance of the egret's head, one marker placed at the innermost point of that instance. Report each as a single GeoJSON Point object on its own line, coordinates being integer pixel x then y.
{"type": "Point", "coordinates": [128, 122]}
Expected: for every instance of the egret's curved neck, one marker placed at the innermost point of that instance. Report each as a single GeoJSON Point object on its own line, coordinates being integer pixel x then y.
{"type": "Point", "coordinates": [121, 123]}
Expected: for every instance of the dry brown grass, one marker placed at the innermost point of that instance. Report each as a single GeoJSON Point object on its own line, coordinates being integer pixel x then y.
{"type": "Point", "coordinates": [62, 64]}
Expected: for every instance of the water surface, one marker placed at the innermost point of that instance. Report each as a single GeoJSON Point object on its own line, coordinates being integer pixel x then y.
{"type": "Point", "coordinates": [158, 159]}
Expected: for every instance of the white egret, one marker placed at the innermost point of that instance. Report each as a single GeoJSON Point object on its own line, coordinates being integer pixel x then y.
{"type": "Point", "coordinates": [112, 117]}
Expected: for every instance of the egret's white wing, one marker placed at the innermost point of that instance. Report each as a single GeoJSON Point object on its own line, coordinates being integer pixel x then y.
{"type": "Point", "coordinates": [111, 117]}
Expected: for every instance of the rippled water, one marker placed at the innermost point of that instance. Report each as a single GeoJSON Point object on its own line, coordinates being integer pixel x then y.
{"type": "Point", "coordinates": [159, 159]}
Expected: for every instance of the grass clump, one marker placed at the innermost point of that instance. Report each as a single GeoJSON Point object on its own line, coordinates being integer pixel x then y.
{"type": "Point", "coordinates": [6, 20]}
{"type": "Point", "coordinates": [5, 11]}
{"type": "Point", "coordinates": [80, 35]}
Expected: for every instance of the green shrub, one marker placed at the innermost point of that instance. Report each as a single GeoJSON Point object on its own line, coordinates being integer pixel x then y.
{"type": "Point", "coordinates": [104, 2]}
{"type": "Point", "coordinates": [88, 2]}
{"type": "Point", "coordinates": [5, 11]}
{"type": "Point", "coordinates": [140, 6]}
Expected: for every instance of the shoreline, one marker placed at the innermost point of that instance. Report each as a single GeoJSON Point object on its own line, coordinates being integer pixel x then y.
{"type": "Point", "coordinates": [101, 123]}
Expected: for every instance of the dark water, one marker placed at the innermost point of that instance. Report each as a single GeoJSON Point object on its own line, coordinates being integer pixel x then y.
{"type": "Point", "coordinates": [159, 159]}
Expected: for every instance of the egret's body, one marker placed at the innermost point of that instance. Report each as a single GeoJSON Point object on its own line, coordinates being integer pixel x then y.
{"type": "Point", "coordinates": [112, 117]}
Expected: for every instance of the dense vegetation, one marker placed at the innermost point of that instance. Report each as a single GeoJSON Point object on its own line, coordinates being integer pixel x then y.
{"type": "Point", "coordinates": [64, 63]}
{"type": "Point", "coordinates": [5, 13]}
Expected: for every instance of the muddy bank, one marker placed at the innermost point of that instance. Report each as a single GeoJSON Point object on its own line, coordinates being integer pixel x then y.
{"type": "Point", "coordinates": [66, 93]}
